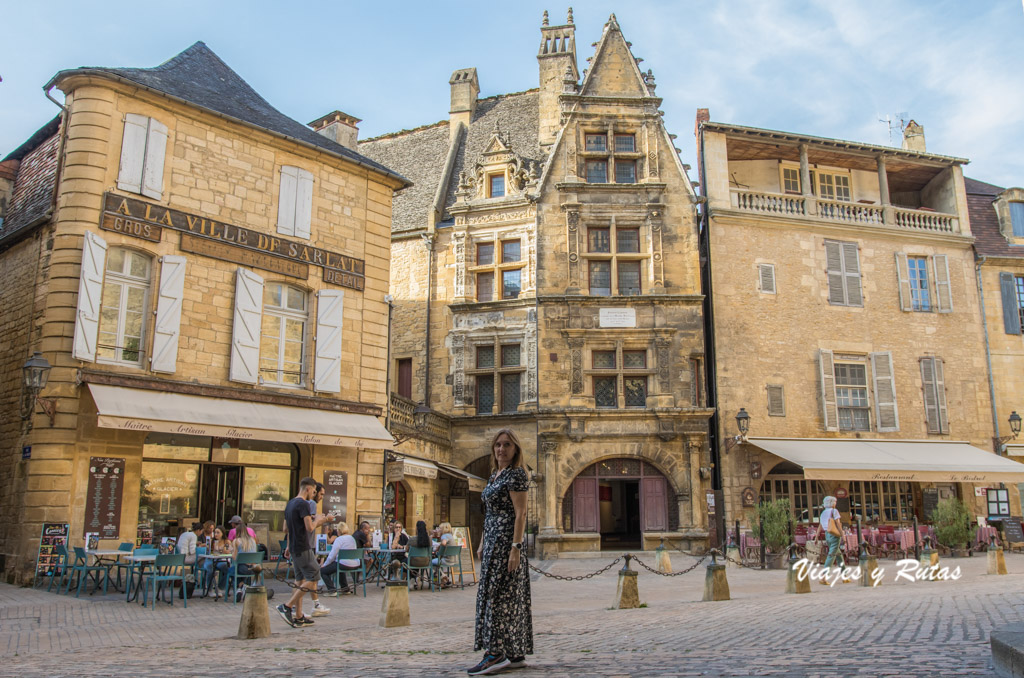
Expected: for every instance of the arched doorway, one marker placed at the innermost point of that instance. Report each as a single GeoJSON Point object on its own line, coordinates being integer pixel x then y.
{"type": "Point", "coordinates": [620, 499]}
{"type": "Point", "coordinates": [395, 502]}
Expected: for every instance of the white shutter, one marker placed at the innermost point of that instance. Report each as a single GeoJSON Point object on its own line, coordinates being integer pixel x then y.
{"type": "Point", "coordinates": [903, 282]}
{"type": "Point", "coordinates": [303, 204]}
{"type": "Point", "coordinates": [827, 379]}
{"type": "Point", "coordinates": [133, 153]}
{"type": "Point", "coordinates": [851, 269]}
{"type": "Point", "coordinates": [327, 363]}
{"type": "Point", "coordinates": [943, 292]}
{"type": "Point", "coordinates": [167, 328]}
{"type": "Point", "coordinates": [886, 413]}
{"type": "Point", "coordinates": [933, 420]}
{"type": "Point", "coordinates": [153, 169]}
{"type": "Point", "coordinates": [245, 334]}
{"type": "Point", "coordinates": [286, 200]}
{"type": "Point", "coordinates": [940, 395]}
{"type": "Point", "coordinates": [766, 278]}
{"type": "Point", "coordinates": [90, 295]}
{"type": "Point", "coordinates": [834, 271]}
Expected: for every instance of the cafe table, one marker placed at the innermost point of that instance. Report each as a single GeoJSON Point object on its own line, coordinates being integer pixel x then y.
{"type": "Point", "coordinates": [108, 555]}
{"type": "Point", "coordinates": [214, 557]}
{"type": "Point", "coordinates": [139, 561]}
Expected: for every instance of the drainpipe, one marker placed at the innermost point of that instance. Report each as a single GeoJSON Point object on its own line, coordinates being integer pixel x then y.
{"type": "Point", "coordinates": [988, 352]}
{"type": "Point", "coordinates": [428, 242]}
{"type": "Point", "coordinates": [389, 300]}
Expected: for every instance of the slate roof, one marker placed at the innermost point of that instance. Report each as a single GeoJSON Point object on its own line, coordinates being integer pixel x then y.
{"type": "Point", "coordinates": [420, 153]}
{"type": "Point", "coordinates": [988, 239]}
{"type": "Point", "coordinates": [32, 196]}
{"type": "Point", "coordinates": [199, 77]}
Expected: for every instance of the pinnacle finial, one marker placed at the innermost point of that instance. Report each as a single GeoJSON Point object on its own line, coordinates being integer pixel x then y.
{"type": "Point", "coordinates": [612, 19]}
{"type": "Point", "coordinates": [569, 20]}
{"type": "Point", "coordinates": [544, 21]}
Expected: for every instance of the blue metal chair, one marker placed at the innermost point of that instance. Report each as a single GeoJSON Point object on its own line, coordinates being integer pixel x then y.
{"type": "Point", "coordinates": [60, 568]}
{"type": "Point", "coordinates": [83, 569]}
{"type": "Point", "coordinates": [134, 566]}
{"type": "Point", "coordinates": [234, 575]}
{"type": "Point", "coordinates": [453, 553]}
{"type": "Point", "coordinates": [167, 569]}
{"type": "Point", "coordinates": [290, 571]}
{"type": "Point", "coordinates": [118, 566]}
{"type": "Point", "coordinates": [420, 553]}
{"type": "Point", "coordinates": [351, 554]}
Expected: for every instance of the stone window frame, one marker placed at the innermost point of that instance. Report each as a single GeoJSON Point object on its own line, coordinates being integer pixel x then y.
{"type": "Point", "coordinates": [615, 257]}
{"type": "Point", "coordinates": [609, 154]}
{"type": "Point", "coordinates": [497, 341]}
{"type": "Point", "coordinates": [620, 372]}
{"type": "Point", "coordinates": [1001, 204]}
{"type": "Point", "coordinates": [498, 267]}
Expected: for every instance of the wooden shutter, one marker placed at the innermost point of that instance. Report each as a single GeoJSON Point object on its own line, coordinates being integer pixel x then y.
{"type": "Point", "coordinates": [776, 401]}
{"type": "Point", "coordinates": [934, 386]}
{"type": "Point", "coordinates": [903, 282]}
{"type": "Point", "coordinates": [287, 199]}
{"type": "Point", "coordinates": [153, 167]}
{"type": "Point", "coordinates": [90, 295]}
{"type": "Point", "coordinates": [827, 379]}
{"type": "Point", "coordinates": [834, 270]}
{"type": "Point", "coordinates": [405, 377]}
{"type": "Point", "coordinates": [167, 328]}
{"type": "Point", "coordinates": [585, 513]}
{"type": "Point", "coordinates": [330, 308]}
{"type": "Point", "coordinates": [1011, 308]}
{"type": "Point", "coordinates": [766, 278]}
{"type": "Point", "coordinates": [655, 504]}
{"type": "Point", "coordinates": [940, 395]}
{"type": "Point", "coordinates": [851, 271]}
{"type": "Point", "coordinates": [886, 413]}
{"type": "Point", "coordinates": [943, 292]}
{"type": "Point", "coordinates": [303, 203]}
{"type": "Point", "coordinates": [245, 333]}
{"type": "Point", "coordinates": [133, 153]}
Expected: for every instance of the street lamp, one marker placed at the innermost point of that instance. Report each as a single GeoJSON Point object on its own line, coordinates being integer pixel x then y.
{"type": "Point", "coordinates": [419, 416]}
{"type": "Point", "coordinates": [742, 425]}
{"type": "Point", "coordinates": [35, 373]}
{"type": "Point", "coordinates": [1015, 420]}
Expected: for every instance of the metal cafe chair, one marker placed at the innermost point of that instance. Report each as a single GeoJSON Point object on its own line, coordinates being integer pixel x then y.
{"type": "Point", "coordinates": [234, 575]}
{"type": "Point", "coordinates": [452, 551]}
{"type": "Point", "coordinates": [167, 569]}
{"type": "Point", "coordinates": [351, 554]}
{"type": "Point", "coordinates": [422, 553]}
{"type": "Point", "coordinates": [84, 570]}
{"type": "Point", "coordinates": [288, 573]}
{"type": "Point", "coordinates": [60, 568]}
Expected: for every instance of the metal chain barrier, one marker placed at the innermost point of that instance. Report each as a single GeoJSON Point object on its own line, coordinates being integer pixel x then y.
{"type": "Point", "coordinates": [577, 578]}
{"type": "Point", "coordinates": [670, 574]}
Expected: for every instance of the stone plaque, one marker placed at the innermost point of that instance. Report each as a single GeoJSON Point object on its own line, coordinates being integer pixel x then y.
{"type": "Point", "coordinates": [618, 317]}
{"type": "Point", "coordinates": [127, 226]}
{"type": "Point", "coordinates": [238, 255]}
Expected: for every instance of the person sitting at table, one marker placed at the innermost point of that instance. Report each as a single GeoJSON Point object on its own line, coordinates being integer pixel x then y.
{"type": "Point", "coordinates": [206, 538]}
{"type": "Point", "coordinates": [187, 543]}
{"type": "Point", "coordinates": [219, 544]}
{"type": "Point", "coordinates": [235, 522]}
{"type": "Point", "coordinates": [398, 542]}
{"type": "Point", "coordinates": [344, 541]}
{"type": "Point", "coordinates": [243, 542]}
{"type": "Point", "coordinates": [362, 535]}
{"type": "Point", "coordinates": [446, 539]}
{"type": "Point", "coordinates": [421, 540]}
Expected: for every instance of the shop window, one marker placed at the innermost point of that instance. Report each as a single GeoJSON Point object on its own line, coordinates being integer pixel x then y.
{"type": "Point", "coordinates": [123, 308]}
{"type": "Point", "coordinates": [282, 347]}
{"type": "Point", "coordinates": [804, 496]}
{"type": "Point", "coordinates": [885, 501]}
{"type": "Point", "coordinates": [168, 494]}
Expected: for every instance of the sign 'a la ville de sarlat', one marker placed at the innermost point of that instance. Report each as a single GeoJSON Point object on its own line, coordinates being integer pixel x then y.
{"type": "Point", "coordinates": [141, 219]}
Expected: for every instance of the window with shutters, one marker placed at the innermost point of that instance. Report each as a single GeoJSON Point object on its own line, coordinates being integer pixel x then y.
{"type": "Point", "coordinates": [498, 262]}
{"type": "Point", "coordinates": [619, 370]}
{"type": "Point", "coordinates": [766, 278]}
{"type": "Point", "coordinates": [776, 400]}
{"type": "Point", "coordinates": [843, 270]}
{"type": "Point", "coordinates": [126, 288]}
{"type": "Point", "coordinates": [1019, 287]}
{"type": "Point", "coordinates": [283, 340]}
{"type": "Point", "coordinates": [295, 202]}
{"type": "Point", "coordinates": [852, 397]}
{"type": "Point", "coordinates": [1011, 289]}
{"type": "Point", "coordinates": [143, 149]}
{"type": "Point", "coordinates": [933, 385]}
{"type": "Point", "coordinates": [498, 373]}
{"type": "Point", "coordinates": [614, 261]}
{"type": "Point", "coordinates": [924, 283]}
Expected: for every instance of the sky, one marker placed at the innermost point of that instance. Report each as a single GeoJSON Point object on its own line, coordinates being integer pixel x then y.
{"type": "Point", "coordinates": [831, 68]}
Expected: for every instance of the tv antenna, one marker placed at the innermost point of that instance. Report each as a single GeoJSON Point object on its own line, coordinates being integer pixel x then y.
{"type": "Point", "coordinates": [900, 121]}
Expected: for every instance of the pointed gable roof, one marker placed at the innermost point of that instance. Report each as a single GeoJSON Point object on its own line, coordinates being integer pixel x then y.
{"type": "Point", "coordinates": [199, 77]}
{"type": "Point", "coordinates": [613, 70]}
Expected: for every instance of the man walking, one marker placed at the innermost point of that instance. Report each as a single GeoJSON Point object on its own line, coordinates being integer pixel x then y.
{"type": "Point", "coordinates": [319, 609]}
{"type": "Point", "coordinates": [301, 527]}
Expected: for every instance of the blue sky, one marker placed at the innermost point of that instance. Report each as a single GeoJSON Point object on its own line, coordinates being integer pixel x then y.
{"type": "Point", "coordinates": [824, 68]}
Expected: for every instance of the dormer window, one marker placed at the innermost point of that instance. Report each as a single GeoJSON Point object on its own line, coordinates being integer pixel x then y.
{"type": "Point", "coordinates": [1017, 219]}
{"type": "Point", "coordinates": [496, 186]}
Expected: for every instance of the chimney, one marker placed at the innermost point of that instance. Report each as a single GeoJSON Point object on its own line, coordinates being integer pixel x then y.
{"type": "Point", "coordinates": [913, 137]}
{"type": "Point", "coordinates": [465, 90]}
{"type": "Point", "coordinates": [557, 60]}
{"type": "Point", "coordinates": [703, 115]}
{"type": "Point", "coordinates": [339, 127]}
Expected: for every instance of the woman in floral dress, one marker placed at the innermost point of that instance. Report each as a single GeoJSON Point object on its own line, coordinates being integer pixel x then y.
{"type": "Point", "coordinates": [504, 622]}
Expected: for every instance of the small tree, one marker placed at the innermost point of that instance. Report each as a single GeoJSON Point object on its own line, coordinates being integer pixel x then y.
{"type": "Point", "coordinates": [776, 523]}
{"type": "Point", "coordinates": [952, 523]}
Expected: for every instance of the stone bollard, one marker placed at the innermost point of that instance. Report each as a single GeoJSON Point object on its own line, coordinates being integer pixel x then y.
{"type": "Point", "coordinates": [662, 562]}
{"type": "Point", "coordinates": [255, 622]}
{"type": "Point", "coordinates": [627, 595]}
{"type": "Point", "coordinates": [794, 584]}
{"type": "Point", "coordinates": [395, 609]}
{"type": "Point", "coordinates": [733, 552]}
{"type": "Point", "coordinates": [996, 561]}
{"type": "Point", "coordinates": [929, 557]}
{"type": "Point", "coordinates": [868, 566]}
{"type": "Point", "coordinates": [716, 586]}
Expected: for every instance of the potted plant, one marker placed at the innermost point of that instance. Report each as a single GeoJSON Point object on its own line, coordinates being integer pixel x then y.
{"type": "Point", "coordinates": [776, 517]}
{"type": "Point", "coordinates": [952, 525]}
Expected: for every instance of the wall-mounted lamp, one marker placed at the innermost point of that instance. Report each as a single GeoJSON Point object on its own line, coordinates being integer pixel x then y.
{"type": "Point", "coordinates": [1015, 420]}
{"type": "Point", "coordinates": [742, 425]}
{"type": "Point", "coordinates": [35, 373]}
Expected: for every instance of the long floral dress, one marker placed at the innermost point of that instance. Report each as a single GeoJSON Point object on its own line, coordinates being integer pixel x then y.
{"type": "Point", "coordinates": [504, 620]}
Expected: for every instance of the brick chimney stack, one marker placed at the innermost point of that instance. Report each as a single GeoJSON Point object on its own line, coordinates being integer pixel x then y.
{"type": "Point", "coordinates": [556, 58]}
{"type": "Point", "coordinates": [339, 127]}
{"type": "Point", "coordinates": [703, 115]}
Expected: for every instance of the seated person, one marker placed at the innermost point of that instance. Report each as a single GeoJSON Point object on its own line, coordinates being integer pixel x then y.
{"type": "Point", "coordinates": [243, 543]}
{"type": "Point", "coordinates": [421, 540]}
{"type": "Point", "coordinates": [332, 564]}
{"type": "Point", "coordinates": [220, 544]}
{"type": "Point", "coordinates": [447, 539]}
{"type": "Point", "coordinates": [187, 543]}
{"type": "Point", "coordinates": [362, 535]}
{"type": "Point", "coordinates": [398, 541]}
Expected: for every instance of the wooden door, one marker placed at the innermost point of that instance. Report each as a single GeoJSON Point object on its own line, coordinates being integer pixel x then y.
{"type": "Point", "coordinates": [654, 504]}
{"type": "Point", "coordinates": [405, 377]}
{"type": "Point", "coordinates": [585, 515]}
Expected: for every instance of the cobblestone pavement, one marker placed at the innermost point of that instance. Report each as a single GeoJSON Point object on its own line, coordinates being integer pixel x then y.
{"type": "Point", "coordinates": [898, 629]}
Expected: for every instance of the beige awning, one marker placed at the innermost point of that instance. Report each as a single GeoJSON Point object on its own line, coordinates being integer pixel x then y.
{"type": "Point", "coordinates": [476, 483]}
{"type": "Point", "coordinates": [142, 410]}
{"type": "Point", "coordinates": [908, 460]}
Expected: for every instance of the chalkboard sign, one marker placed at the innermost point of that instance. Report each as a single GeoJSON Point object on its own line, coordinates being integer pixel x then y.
{"type": "Point", "coordinates": [103, 497]}
{"type": "Point", "coordinates": [336, 493]}
{"type": "Point", "coordinates": [52, 535]}
{"type": "Point", "coordinates": [929, 501]}
{"type": "Point", "coordinates": [467, 554]}
{"type": "Point", "coordinates": [1012, 530]}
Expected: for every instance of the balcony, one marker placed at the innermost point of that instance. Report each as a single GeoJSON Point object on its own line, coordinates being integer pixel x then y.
{"type": "Point", "coordinates": [435, 427]}
{"type": "Point", "coordinates": [844, 212]}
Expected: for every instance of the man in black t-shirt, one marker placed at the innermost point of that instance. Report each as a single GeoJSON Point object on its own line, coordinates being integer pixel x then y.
{"type": "Point", "coordinates": [362, 535]}
{"type": "Point", "coordinates": [301, 525]}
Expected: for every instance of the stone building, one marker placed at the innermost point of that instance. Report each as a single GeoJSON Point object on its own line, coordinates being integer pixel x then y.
{"type": "Point", "coordinates": [206, 279]}
{"type": "Point", "coordinates": [847, 324]}
{"type": "Point", "coordinates": [546, 279]}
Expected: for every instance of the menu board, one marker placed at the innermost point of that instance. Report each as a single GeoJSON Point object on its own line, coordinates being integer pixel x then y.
{"type": "Point", "coordinates": [336, 493]}
{"type": "Point", "coordinates": [103, 497]}
{"type": "Point", "coordinates": [1012, 530]}
{"type": "Point", "coordinates": [929, 501]}
{"type": "Point", "coordinates": [52, 535]}
{"type": "Point", "coordinates": [463, 539]}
